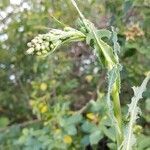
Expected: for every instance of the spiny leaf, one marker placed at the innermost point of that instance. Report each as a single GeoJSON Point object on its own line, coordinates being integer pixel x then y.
{"type": "Point", "coordinates": [116, 44]}
{"type": "Point", "coordinates": [133, 112]}
{"type": "Point", "coordinates": [115, 40]}
{"type": "Point", "coordinates": [103, 48]}
{"type": "Point", "coordinates": [104, 33]}
{"type": "Point", "coordinates": [112, 78]}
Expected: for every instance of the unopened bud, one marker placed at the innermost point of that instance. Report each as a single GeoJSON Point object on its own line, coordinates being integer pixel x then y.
{"type": "Point", "coordinates": [34, 41]}
{"type": "Point", "coordinates": [38, 47]}
{"type": "Point", "coordinates": [30, 50]}
{"type": "Point", "coordinates": [44, 52]}
{"type": "Point", "coordinates": [29, 44]}
{"type": "Point", "coordinates": [43, 47]}
{"type": "Point", "coordinates": [39, 53]}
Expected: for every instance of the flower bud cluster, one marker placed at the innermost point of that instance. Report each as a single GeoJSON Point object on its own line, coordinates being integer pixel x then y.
{"type": "Point", "coordinates": [45, 43]}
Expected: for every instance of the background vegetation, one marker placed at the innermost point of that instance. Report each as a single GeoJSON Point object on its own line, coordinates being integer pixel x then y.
{"type": "Point", "coordinates": [38, 96]}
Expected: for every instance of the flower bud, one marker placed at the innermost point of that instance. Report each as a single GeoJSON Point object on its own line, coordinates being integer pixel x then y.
{"type": "Point", "coordinates": [40, 41]}
{"type": "Point", "coordinates": [30, 50]}
{"type": "Point", "coordinates": [44, 52]}
{"type": "Point", "coordinates": [47, 38]}
{"type": "Point", "coordinates": [39, 53]}
{"type": "Point", "coordinates": [34, 41]}
{"type": "Point", "coordinates": [42, 47]}
{"type": "Point", "coordinates": [46, 44]}
{"type": "Point", "coordinates": [67, 28]}
{"type": "Point", "coordinates": [52, 46]}
{"type": "Point", "coordinates": [29, 44]}
{"type": "Point", "coordinates": [38, 47]}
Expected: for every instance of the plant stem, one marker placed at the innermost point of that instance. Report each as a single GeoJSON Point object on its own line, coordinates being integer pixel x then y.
{"type": "Point", "coordinates": [115, 89]}
{"type": "Point", "coordinates": [117, 107]}
{"type": "Point", "coordinates": [117, 112]}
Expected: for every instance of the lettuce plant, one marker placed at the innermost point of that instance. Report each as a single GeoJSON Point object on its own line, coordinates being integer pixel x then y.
{"type": "Point", "coordinates": [107, 54]}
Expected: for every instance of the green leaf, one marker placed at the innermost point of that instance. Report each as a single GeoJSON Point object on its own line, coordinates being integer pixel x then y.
{"type": "Point", "coordinates": [110, 133]}
{"type": "Point", "coordinates": [89, 39]}
{"type": "Point", "coordinates": [71, 130]}
{"type": "Point", "coordinates": [113, 77]}
{"type": "Point", "coordinates": [85, 140]}
{"type": "Point", "coordinates": [103, 33]}
{"type": "Point", "coordinates": [95, 137]}
{"type": "Point", "coordinates": [133, 112]}
{"type": "Point", "coordinates": [88, 127]}
{"type": "Point", "coordinates": [102, 49]}
{"type": "Point", "coordinates": [112, 146]}
{"type": "Point", "coordinates": [143, 142]}
{"type": "Point", "coordinates": [115, 41]}
{"type": "Point", "coordinates": [74, 119]}
{"type": "Point", "coordinates": [98, 106]}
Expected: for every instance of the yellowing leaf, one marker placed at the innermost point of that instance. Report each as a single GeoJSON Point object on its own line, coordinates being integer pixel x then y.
{"type": "Point", "coordinates": [67, 139]}
{"type": "Point", "coordinates": [43, 86]}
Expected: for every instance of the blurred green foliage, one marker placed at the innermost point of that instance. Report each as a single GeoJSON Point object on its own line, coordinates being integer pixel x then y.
{"type": "Point", "coordinates": [34, 89]}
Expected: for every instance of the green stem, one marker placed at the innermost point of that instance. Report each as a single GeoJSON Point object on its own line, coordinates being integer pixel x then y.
{"type": "Point", "coordinates": [117, 112]}
{"type": "Point", "coordinates": [115, 90]}
{"type": "Point", "coordinates": [117, 107]}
